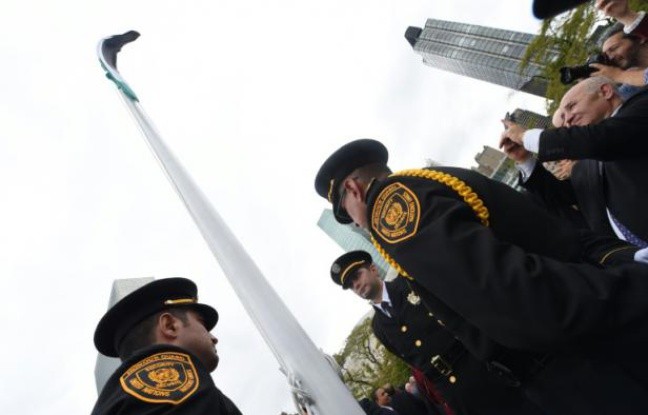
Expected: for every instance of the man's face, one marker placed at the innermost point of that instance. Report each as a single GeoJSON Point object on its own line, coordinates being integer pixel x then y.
{"type": "Point", "coordinates": [622, 51]}
{"type": "Point", "coordinates": [366, 282]}
{"type": "Point", "coordinates": [582, 107]}
{"type": "Point", "coordinates": [382, 398]}
{"type": "Point", "coordinates": [195, 338]}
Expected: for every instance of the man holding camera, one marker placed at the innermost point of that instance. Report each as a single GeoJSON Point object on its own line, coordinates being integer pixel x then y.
{"type": "Point", "coordinates": [624, 44]}
{"type": "Point", "coordinates": [609, 138]}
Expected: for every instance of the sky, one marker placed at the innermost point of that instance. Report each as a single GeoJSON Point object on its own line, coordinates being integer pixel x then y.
{"type": "Point", "coordinates": [251, 96]}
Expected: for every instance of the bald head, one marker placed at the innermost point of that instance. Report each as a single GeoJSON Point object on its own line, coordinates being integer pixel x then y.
{"type": "Point", "coordinates": [588, 102]}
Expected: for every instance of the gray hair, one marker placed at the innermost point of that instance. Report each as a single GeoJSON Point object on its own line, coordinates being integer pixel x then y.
{"type": "Point", "coordinates": [594, 83]}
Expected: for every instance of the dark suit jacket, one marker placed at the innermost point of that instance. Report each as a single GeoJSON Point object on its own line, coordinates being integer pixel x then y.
{"type": "Point", "coordinates": [372, 408]}
{"type": "Point", "coordinates": [405, 403]}
{"type": "Point", "coordinates": [642, 29]}
{"type": "Point", "coordinates": [620, 143]}
{"type": "Point", "coordinates": [583, 190]}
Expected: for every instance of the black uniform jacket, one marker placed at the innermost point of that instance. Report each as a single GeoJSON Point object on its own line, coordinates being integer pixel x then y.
{"type": "Point", "coordinates": [491, 275]}
{"type": "Point", "coordinates": [414, 334]}
{"type": "Point", "coordinates": [162, 379]}
{"type": "Point", "coordinates": [620, 143]}
{"type": "Point", "coordinates": [488, 284]}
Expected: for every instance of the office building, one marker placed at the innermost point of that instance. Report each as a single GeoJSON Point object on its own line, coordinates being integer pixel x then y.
{"type": "Point", "coordinates": [494, 164]}
{"type": "Point", "coordinates": [480, 52]}
{"type": "Point", "coordinates": [352, 238]}
{"type": "Point", "coordinates": [107, 365]}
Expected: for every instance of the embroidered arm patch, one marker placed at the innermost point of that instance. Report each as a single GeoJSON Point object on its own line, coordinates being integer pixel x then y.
{"type": "Point", "coordinates": [396, 213]}
{"type": "Point", "coordinates": [168, 377]}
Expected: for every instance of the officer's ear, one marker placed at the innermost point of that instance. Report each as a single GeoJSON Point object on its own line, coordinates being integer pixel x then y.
{"type": "Point", "coordinates": [354, 188]}
{"type": "Point", "coordinates": [168, 326]}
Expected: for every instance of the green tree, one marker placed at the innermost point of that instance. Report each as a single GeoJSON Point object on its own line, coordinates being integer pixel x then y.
{"type": "Point", "coordinates": [366, 364]}
{"type": "Point", "coordinates": [565, 40]}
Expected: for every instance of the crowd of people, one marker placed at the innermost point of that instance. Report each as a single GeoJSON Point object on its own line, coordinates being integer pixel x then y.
{"type": "Point", "coordinates": [506, 302]}
{"type": "Point", "coordinates": [509, 302]}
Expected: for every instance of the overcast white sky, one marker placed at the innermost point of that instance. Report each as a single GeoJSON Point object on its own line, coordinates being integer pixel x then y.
{"type": "Point", "coordinates": [252, 96]}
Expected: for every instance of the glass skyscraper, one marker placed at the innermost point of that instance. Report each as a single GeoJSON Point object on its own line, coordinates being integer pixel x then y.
{"type": "Point", "coordinates": [480, 52]}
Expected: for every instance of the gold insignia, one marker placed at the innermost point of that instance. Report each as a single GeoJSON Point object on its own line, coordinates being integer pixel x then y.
{"type": "Point", "coordinates": [181, 301]}
{"type": "Point", "coordinates": [413, 298]}
{"type": "Point", "coordinates": [396, 213]}
{"type": "Point", "coordinates": [162, 378]}
{"type": "Point", "coordinates": [329, 196]}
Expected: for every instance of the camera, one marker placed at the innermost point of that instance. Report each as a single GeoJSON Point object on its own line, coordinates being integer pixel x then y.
{"type": "Point", "coordinates": [569, 74]}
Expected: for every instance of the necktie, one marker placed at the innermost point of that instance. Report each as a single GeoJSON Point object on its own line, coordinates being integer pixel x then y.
{"type": "Point", "coordinates": [387, 308]}
{"type": "Point", "coordinates": [628, 235]}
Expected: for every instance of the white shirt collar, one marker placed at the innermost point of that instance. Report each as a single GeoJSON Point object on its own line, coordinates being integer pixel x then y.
{"type": "Point", "coordinates": [616, 110]}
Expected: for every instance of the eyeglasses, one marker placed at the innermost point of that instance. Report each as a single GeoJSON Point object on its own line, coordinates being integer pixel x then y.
{"type": "Point", "coordinates": [339, 211]}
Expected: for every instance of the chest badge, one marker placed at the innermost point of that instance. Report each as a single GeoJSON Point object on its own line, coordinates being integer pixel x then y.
{"type": "Point", "coordinates": [413, 299]}
{"type": "Point", "coordinates": [161, 378]}
{"type": "Point", "coordinates": [395, 214]}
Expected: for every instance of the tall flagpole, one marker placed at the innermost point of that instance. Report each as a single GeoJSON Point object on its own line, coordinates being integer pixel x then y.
{"type": "Point", "coordinates": [315, 385]}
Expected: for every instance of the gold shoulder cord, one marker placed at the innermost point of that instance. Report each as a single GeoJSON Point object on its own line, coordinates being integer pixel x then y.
{"type": "Point", "coordinates": [389, 259]}
{"type": "Point", "coordinates": [465, 191]}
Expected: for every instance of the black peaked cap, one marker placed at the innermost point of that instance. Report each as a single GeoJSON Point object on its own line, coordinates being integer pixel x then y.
{"type": "Point", "coordinates": [347, 264]}
{"type": "Point", "coordinates": [342, 162]}
{"type": "Point", "coordinates": [145, 301]}
{"type": "Point", "coordinates": [544, 9]}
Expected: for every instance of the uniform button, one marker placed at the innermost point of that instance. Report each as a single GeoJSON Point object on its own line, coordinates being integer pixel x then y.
{"type": "Point", "coordinates": [430, 314]}
{"type": "Point", "coordinates": [452, 379]}
{"type": "Point", "coordinates": [440, 323]}
{"type": "Point", "coordinates": [403, 329]}
{"type": "Point", "coordinates": [418, 343]}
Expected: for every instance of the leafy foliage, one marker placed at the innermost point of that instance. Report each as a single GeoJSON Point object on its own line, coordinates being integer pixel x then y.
{"type": "Point", "coordinates": [562, 41]}
{"type": "Point", "coordinates": [366, 364]}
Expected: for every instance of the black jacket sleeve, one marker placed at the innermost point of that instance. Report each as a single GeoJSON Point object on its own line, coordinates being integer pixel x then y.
{"type": "Point", "coordinates": [518, 299]}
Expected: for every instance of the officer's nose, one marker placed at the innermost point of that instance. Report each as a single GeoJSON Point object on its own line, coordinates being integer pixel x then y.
{"type": "Point", "coordinates": [213, 339]}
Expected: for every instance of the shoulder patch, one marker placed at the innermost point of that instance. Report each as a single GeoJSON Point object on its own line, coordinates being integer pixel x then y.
{"type": "Point", "coordinates": [395, 214]}
{"type": "Point", "coordinates": [168, 377]}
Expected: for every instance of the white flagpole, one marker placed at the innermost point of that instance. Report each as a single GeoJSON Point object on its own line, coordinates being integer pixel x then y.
{"type": "Point", "coordinates": [314, 383]}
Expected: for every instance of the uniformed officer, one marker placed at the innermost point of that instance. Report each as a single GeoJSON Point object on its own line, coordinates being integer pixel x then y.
{"type": "Point", "coordinates": [161, 334]}
{"type": "Point", "coordinates": [408, 330]}
{"type": "Point", "coordinates": [502, 275]}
